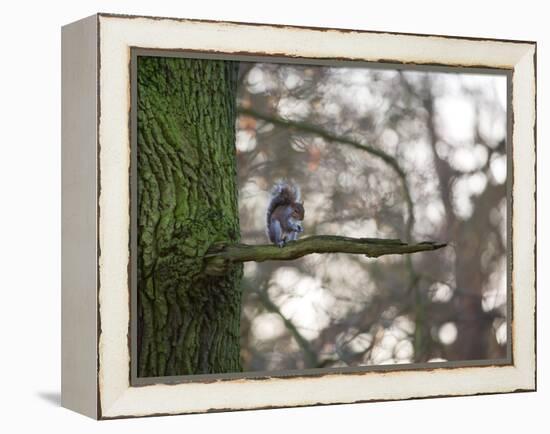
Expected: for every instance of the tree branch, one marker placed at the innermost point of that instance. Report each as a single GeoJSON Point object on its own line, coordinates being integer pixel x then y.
{"type": "Point", "coordinates": [220, 257]}
{"type": "Point", "coordinates": [309, 353]}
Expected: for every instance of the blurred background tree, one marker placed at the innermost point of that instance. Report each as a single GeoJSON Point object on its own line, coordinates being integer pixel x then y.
{"type": "Point", "coordinates": [377, 153]}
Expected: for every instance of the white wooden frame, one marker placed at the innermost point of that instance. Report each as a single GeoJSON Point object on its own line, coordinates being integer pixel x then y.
{"type": "Point", "coordinates": [96, 218]}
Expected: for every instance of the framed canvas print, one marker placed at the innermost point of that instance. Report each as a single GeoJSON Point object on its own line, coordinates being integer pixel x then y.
{"type": "Point", "coordinates": [260, 216]}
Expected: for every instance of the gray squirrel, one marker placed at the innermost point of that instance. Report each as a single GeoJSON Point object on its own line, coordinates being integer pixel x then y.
{"type": "Point", "coordinates": [285, 213]}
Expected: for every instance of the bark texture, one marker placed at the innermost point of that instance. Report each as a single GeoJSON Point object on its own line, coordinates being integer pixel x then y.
{"type": "Point", "coordinates": [188, 322]}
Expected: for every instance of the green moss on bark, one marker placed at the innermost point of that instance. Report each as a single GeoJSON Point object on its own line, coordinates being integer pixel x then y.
{"type": "Point", "coordinates": [188, 322]}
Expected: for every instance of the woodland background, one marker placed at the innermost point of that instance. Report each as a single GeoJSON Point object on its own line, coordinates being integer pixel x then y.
{"type": "Point", "coordinates": [446, 132]}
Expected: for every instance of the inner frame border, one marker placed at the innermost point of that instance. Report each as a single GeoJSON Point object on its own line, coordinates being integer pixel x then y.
{"type": "Point", "coordinates": [136, 52]}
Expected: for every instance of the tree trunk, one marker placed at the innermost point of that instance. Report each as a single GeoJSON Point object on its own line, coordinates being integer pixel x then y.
{"type": "Point", "coordinates": [188, 322]}
{"type": "Point", "coordinates": [475, 338]}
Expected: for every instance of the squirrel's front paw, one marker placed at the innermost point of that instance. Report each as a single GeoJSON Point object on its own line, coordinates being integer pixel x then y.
{"type": "Point", "coordinates": [281, 243]}
{"type": "Point", "coordinates": [299, 228]}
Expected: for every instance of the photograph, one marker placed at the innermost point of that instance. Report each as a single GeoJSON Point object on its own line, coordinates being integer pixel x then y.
{"type": "Point", "coordinates": [299, 216]}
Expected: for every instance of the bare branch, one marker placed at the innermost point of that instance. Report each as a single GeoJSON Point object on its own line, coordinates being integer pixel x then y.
{"type": "Point", "coordinates": [221, 256]}
{"type": "Point", "coordinates": [309, 353]}
{"type": "Point", "coordinates": [327, 135]}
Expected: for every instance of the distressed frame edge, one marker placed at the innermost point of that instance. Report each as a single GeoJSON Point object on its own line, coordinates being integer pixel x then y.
{"type": "Point", "coordinates": [305, 27]}
{"type": "Point", "coordinates": [528, 384]}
